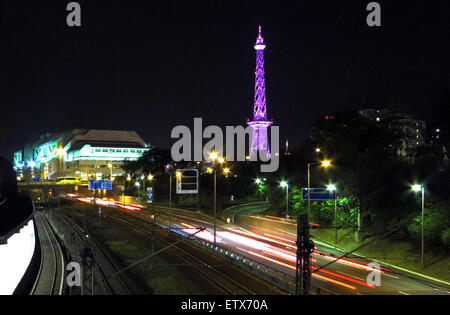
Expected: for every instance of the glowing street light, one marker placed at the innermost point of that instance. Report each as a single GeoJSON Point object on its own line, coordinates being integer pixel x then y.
{"type": "Point", "coordinates": [150, 177]}
{"type": "Point", "coordinates": [258, 181]}
{"type": "Point", "coordinates": [213, 155]}
{"type": "Point", "coordinates": [417, 188]}
{"type": "Point", "coordinates": [317, 150]}
{"type": "Point", "coordinates": [326, 163]}
{"type": "Point", "coordinates": [226, 171]}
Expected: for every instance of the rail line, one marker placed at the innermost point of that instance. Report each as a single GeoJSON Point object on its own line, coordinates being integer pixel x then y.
{"type": "Point", "coordinates": [116, 286]}
{"type": "Point", "coordinates": [41, 285]}
{"type": "Point", "coordinates": [214, 276]}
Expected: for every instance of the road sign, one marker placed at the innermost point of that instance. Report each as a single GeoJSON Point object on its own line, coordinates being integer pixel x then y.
{"type": "Point", "coordinates": [149, 194]}
{"type": "Point", "coordinates": [187, 183]}
{"type": "Point", "coordinates": [318, 194]}
{"type": "Point", "coordinates": [100, 184]}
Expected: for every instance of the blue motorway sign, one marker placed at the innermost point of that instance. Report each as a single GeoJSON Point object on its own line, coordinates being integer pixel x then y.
{"type": "Point", "coordinates": [100, 184]}
{"type": "Point", "coordinates": [149, 194]}
{"type": "Point", "coordinates": [318, 194]}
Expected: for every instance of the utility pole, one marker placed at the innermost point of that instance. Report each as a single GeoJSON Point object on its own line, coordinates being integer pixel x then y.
{"type": "Point", "coordinates": [303, 264]}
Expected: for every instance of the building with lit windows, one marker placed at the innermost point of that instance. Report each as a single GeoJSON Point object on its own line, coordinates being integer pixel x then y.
{"type": "Point", "coordinates": [411, 131]}
{"type": "Point", "coordinates": [79, 153]}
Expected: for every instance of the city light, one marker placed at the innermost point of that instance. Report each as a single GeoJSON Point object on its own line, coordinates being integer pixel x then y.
{"type": "Point", "coordinates": [178, 174]}
{"type": "Point", "coordinates": [416, 187]}
{"type": "Point", "coordinates": [213, 155]}
{"type": "Point", "coordinates": [331, 187]}
{"type": "Point", "coordinates": [226, 170]}
{"type": "Point", "coordinates": [221, 160]}
{"type": "Point", "coordinates": [326, 163]}
{"type": "Point", "coordinates": [258, 181]}
{"type": "Point", "coordinates": [283, 183]}
{"type": "Point", "coordinates": [150, 177]}
{"type": "Point", "coordinates": [317, 150]}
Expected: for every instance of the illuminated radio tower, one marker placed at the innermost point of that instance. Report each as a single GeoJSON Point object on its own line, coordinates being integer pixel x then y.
{"type": "Point", "coordinates": [259, 123]}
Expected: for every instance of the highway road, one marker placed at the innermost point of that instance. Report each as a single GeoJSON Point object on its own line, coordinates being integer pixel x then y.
{"type": "Point", "coordinates": [271, 241]}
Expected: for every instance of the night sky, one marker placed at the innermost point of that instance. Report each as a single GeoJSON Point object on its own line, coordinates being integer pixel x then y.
{"type": "Point", "coordinates": [149, 66]}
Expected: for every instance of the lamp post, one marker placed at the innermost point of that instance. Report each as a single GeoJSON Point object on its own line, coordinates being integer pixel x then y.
{"type": "Point", "coordinates": [332, 187]}
{"type": "Point", "coordinates": [421, 188]}
{"type": "Point", "coordinates": [325, 164]}
{"type": "Point", "coordinates": [285, 184]}
{"type": "Point", "coordinates": [213, 156]}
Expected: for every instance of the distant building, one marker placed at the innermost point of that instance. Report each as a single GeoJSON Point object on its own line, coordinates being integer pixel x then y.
{"type": "Point", "coordinates": [79, 153]}
{"type": "Point", "coordinates": [411, 131]}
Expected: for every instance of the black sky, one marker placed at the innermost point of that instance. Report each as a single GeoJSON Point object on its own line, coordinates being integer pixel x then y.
{"type": "Point", "coordinates": [149, 66]}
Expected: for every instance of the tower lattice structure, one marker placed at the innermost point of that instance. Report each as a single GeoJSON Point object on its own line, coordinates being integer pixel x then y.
{"type": "Point", "coordinates": [259, 123]}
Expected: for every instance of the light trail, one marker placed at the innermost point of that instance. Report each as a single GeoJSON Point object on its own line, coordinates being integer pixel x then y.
{"type": "Point", "coordinates": [314, 274]}
{"type": "Point", "coordinates": [273, 231]}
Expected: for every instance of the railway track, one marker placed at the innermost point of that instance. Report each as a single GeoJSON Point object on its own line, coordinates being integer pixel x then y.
{"type": "Point", "coordinates": [104, 266]}
{"type": "Point", "coordinates": [50, 277]}
{"type": "Point", "coordinates": [225, 283]}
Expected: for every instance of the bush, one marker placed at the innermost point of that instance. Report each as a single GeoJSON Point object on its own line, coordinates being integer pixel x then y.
{"type": "Point", "coordinates": [436, 224]}
{"type": "Point", "coordinates": [445, 237]}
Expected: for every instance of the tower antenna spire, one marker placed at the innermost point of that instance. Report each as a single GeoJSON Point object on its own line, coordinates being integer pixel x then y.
{"type": "Point", "coordinates": [259, 123]}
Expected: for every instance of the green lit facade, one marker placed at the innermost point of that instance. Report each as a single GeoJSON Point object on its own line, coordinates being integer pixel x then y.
{"type": "Point", "coordinates": [79, 153]}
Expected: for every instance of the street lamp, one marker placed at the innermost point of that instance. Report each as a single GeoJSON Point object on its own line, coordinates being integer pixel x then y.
{"type": "Point", "coordinates": [285, 184]}
{"type": "Point", "coordinates": [324, 163]}
{"type": "Point", "coordinates": [213, 156]}
{"type": "Point", "coordinates": [332, 187]}
{"type": "Point", "coordinates": [417, 188]}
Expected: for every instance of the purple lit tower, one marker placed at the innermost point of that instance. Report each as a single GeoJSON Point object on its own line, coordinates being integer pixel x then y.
{"type": "Point", "coordinates": [259, 123]}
